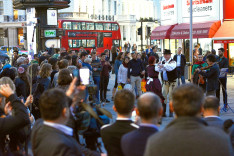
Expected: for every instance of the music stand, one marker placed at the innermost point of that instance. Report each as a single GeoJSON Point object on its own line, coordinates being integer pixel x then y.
{"type": "Point", "coordinates": [223, 74]}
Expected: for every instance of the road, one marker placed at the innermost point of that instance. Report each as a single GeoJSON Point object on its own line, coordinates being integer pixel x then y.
{"type": "Point", "coordinates": [166, 120]}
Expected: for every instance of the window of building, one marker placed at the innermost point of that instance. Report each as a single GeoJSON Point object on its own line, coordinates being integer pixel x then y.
{"type": "Point", "coordinates": [76, 25]}
{"type": "Point", "coordinates": [98, 26]}
{"type": "Point", "coordinates": [206, 44]}
{"type": "Point", "coordinates": [67, 25]}
{"type": "Point", "coordinates": [90, 26]}
{"type": "Point", "coordinates": [115, 8]}
{"type": "Point", "coordinates": [115, 27]}
{"type": "Point", "coordinates": [1, 7]}
{"type": "Point", "coordinates": [90, 43]}
{"type": "Point", "coordinates": [107, 26]}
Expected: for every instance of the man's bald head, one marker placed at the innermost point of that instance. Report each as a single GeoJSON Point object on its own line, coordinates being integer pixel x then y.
{"type": "Point", "coordinates": [211, 102]}
{"type": "Point", "coordinates": [149, 106]}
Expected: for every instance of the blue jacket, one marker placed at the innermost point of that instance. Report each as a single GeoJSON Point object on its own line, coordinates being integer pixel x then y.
{"type": "Point", "coordinates": [212, 76]}
{"type": "Point", "coordinates": [134, 143]}
{"type": "Point", "coordinates": [116, 67]}
{"type": "Point", "coordinates": [87, 65]}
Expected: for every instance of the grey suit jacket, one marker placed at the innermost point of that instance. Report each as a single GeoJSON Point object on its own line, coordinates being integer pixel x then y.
{"type": "Point", "coordinates": [189, 136]}
{"type": "Point", "coordinates": [214, 121]}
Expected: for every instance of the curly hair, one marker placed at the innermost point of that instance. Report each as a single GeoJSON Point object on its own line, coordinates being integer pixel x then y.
{"type": "Point", "coordinates": [45, 70]}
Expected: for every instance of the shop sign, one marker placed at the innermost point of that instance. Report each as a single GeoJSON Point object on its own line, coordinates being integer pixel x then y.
{"type": "Point", "coordinates": [200, 7]}
{"type": "Point", "coordinates": [223, 41]}
{"type": "Point", "coordinates": [168, 10]}
{"type": "Point", "coordinates": [52, 17]}
{"type": "Point", "coordinates": [50, 33]}
{"type": "Point", "coordinates": [185, 33]}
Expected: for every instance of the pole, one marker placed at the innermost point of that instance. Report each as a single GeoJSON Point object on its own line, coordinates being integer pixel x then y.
{"type": "Point", "coordinates": [191, 39]}
{"type": "Point", "coordinates": [141, 36]}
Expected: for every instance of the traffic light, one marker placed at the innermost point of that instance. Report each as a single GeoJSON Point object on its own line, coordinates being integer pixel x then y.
{"type": "Point", "coordinates": [140, 31]}
{"type": "Point", "coordinates": [25, 36]}
{"type": "Point", "coordinates": [148, 31]}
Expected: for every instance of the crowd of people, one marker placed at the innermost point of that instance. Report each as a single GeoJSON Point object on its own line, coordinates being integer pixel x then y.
{"type": "Point", "coordinates": [40, 99]}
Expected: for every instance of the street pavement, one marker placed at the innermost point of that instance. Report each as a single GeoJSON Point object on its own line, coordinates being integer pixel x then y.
{"type": "Point", "coordinates": [165, 121]}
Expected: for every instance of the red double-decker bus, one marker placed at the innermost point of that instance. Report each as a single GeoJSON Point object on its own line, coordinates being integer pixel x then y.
{"type": "Point", "coordinates": [89, 34]}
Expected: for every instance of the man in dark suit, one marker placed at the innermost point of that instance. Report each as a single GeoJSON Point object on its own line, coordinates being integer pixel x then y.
{"type": "Point", "coordinates": [112, 134]}
{"type": "Point", "coordinates": [149, 108]}
{"type": "Point", "coordinates": [180, 65]}
{"type": "Point", "coordinates": [53, 137]}
{"type": "Point", "coordinates": [188, 134]}
{"type": "Point", "coordinates": [212, 75]}
{"type": "Point", "coordinates": [211, 112]}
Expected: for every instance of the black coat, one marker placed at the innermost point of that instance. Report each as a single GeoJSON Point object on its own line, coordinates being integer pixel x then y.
{"type": "Point", "coordinates": [182, 62]}
{"type": "Point", "coordinates": [189, 136]}
{"type": "Point", "coordinates": [136, 140]}
{"type": "Point", "coordinates": [49, 141]}
{"type": "Point", "coordinates": [15, 122]}
{"type": "Point", "coordinates": [112, 134]}
{"type": "Point", "coordinates": [212, 76]}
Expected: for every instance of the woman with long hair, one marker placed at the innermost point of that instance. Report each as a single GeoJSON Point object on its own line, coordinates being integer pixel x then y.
{"type": "Point", "coordinates": [123, 72]}
{"type": "Point", "coordinates": [22, 82]}
{"type": "Point", "coordinates": [62, 64]}
{"type": "Point", "coordinates": [43, 83]}
{"type": "Point", "coordinates": [118, 62]}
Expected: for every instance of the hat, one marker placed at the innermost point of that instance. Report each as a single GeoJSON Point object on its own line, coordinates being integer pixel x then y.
{"type": "Point", "coordinates": [167, 51]}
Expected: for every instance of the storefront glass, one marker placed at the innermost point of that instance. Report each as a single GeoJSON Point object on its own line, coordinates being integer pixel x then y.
{"type": "Point", "coordinates": [173, 46]}
{"type": "Point", "coordinates": [206, 44]}
{"type": "Point", "coordinates": [20, 36]}
{"type": "Point", "coordinates": [231, 54]}
{"type": "Point", "coordinates": [166, 44]}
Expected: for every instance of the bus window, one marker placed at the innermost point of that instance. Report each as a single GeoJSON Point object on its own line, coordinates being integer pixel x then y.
{"type": "Point", "coordinates": [70, 43]}
{"type": "Point", "coordinates": [83, 25]}
{"type": "Point", "coordinates": [76, 25]}
{"type": "Point", "coordinates": [84, 43]}
{"type": "Point", "coordinates": [67, 25]}
{"type": "Point", "coordinates": [116, 43]}
{"type": "Point", "coordinates": [98, 26]}
{"type": "Point", "coordinates": [90, 26]}
{"type": "Point", "coordinates": [100, 39]}
{"type": "Point", "coordinates": [115, 27]}
{"type": "Point", "coordinates": [90, 43]}
{"type": "Point", "coordinates": [107, 26]}
{"type": "Point", "coordinates": [76, 43]}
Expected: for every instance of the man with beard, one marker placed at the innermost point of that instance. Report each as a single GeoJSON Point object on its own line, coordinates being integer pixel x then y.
{"type": "Point", "coordinates": [223, 65]}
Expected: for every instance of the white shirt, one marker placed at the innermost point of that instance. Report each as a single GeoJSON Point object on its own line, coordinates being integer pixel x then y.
{"type": "Point", "coordinates": [166, 67]}
{"type": "Point", "coordinates": [122, 74]}
{"type": "Point", "coordinates": [65, 129]}
{"type": "Point", "coordinates": [178, 63]}
{"type": "Point", "coordinates": [212, 116]}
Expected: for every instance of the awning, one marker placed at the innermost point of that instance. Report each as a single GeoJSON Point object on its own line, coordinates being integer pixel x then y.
{"type": "Point", "coordinates": [161, 32]}
{"type": "Point", "coordinates": [200, 30]}
{"type": "Point", "coordinates": [225, 32]}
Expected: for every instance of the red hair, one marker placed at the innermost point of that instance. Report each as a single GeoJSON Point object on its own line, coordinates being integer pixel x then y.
{"type": "Point", "coordinates": [151, 60]}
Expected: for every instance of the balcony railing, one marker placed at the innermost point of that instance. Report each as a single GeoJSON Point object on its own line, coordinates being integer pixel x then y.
{"type": "Point", "coordinates": [21, 18]}
{"type": "Point", "coordinates": [130, 18]}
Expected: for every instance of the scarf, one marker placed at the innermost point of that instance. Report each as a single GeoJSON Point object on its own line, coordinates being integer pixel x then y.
{"type": "Point", "coordinates": [199, 63]}
{"type": "Point", "coordinates": [125, 65]}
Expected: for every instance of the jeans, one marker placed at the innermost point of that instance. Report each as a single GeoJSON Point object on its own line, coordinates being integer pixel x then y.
{"type": "Point", "coordinates": [136, 81]}
{"type": "Point", "coordinates": [179, 75]}
{"type": "Point", "coordinates": [96, 80]}
{"type": "Point", "coordinates": [223, 85]}
{"type": "Point", "coordinates": [103, 87]}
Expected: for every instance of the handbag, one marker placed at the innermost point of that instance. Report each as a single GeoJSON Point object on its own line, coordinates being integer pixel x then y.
{"type": "Point", "coordinates": [143, 85]}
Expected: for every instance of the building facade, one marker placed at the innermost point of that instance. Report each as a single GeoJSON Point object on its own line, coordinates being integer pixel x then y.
{"type": "Point", "coordinates": [12, 25]}
{"type": "Point", "coordinates": [126, 12]}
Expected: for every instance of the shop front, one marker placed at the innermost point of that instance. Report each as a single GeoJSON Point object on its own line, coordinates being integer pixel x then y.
{"type": "Point", "coordinates": [202, 33]}
{"type": "Point", "coordinates": [225, 38]}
